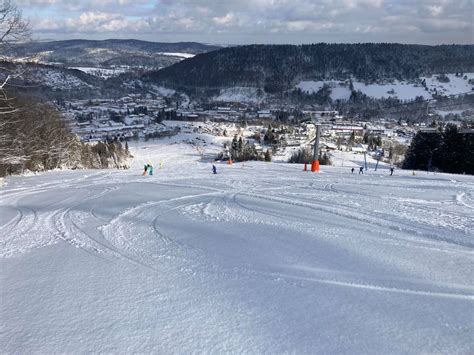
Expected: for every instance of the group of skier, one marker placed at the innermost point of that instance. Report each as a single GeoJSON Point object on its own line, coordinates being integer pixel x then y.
{"type": "Point", "coordinates": [148, 168]}
{"type": "Point", "coordinates": [361, 170]}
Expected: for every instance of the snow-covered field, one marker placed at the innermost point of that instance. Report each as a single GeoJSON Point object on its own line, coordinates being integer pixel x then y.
{"type": "Point", "coordinates": [178, 54]}
{"type": "Point", "coordinates": [403, 90]}
{"type": "Point", "coordinates": [101, 72]}
{"type": "Point", "coordinates": [162, 91]}
{"type": "Point", "coordinates": [455, 85]}
{"type": "Point", "coordinates": [240, 94]}
{"type": "Point", "coordinates": [260, 258]}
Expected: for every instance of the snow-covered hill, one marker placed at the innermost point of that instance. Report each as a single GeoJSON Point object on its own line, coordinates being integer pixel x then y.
{"type": "Point", "coordinates": [106, 54]}
{"type": "Point", "coordinates": [260, 258]}
{"type": "Point", "coordinates": [58, 78]}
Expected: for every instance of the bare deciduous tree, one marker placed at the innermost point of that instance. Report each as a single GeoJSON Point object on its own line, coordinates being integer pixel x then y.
{"type": "Point", "coordinates": [34, 135]}
{"type": "Point", "coordinates": [13, 30]}
{"type": "Point", "coordinates": [37, 138]}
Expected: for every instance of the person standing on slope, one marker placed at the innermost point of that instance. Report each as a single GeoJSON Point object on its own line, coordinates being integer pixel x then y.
{"type": "Point", "coordinates": [214, 169]}
{"type": "Point", "coordinates": [145, 168]}
{"type": "Point", "coordinates": [150, 169]}
{"type": "Point", "coordinates": [352, 170]}
{"type": "Point", "coordinates": [391, 170]}
{"type": "Point", "coordinates": [361, 170]}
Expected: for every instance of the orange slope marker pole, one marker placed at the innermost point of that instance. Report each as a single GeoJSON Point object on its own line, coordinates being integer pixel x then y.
{"type": "Point", "coordinates": [315, 166]}
{"type": "Point", "coordinates": [315, 163]}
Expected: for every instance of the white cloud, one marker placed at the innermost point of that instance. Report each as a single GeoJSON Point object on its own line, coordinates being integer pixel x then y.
{"type": "Point", "coordinates": [435, 10]}
{"type": "Point", "coordinates": [363, 3]}
{"type": "Point", "coordinates": [240, 21]}
{"type": "Point", "coordinates": [298, 26]}
{"type": "Point", "coordinates": [224, 20]}
{"type": "Point", "coordinates": [443, 25]}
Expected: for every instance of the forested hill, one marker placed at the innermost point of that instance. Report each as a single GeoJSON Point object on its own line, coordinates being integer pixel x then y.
{"type": "Point", "coordinates": [29, 48]}
{"type": "Point", "coordinates": [279, 67]}
{"type": "Point", "coordinates": [106, 53]}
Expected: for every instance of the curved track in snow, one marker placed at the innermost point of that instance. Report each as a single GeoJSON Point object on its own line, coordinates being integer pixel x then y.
{"type": "Point", "coordinates": [260, 258]}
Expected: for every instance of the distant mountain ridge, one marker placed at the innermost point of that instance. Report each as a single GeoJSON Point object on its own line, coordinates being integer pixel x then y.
{"type": "Point", "coordinates": [104, 53]}
{"type": "Point", "coordinates": [276, 68]}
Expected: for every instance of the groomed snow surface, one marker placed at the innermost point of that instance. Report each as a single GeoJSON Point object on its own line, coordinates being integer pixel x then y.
{"type": "Point", "coordinates": [260, 258]}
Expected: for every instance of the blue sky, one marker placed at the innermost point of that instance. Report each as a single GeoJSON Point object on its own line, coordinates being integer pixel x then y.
{"type": "Point", "coordinates": [255, 21]}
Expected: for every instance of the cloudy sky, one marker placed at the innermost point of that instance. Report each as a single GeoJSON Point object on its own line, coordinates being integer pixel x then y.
{"type": "Point", "coordinates": [255, 21]}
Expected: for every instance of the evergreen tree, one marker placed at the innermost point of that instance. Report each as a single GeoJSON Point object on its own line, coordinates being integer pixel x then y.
{"type": "Point", "coordinates": [450, 152]}
{"type": "Point", "coordinates": [352, 138]}
{"type": "Point", "coordinates": [268, 156]}
{"type": "Point", "coordinates": [365, 140]}
{"type": "Point", "coordinates": [302, 156]}
{"type": "Point", "coordinates": [466, 142]}
{"type": "Point", "coordinates": [324, 159]}
{"type": "Point", "coordinates": [235, 144]}
{"type": "Point", "coordinates": [421, 152]}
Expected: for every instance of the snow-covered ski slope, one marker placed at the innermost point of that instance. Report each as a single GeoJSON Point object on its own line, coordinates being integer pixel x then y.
{"type": "Point", "coordinates": [260, 258]}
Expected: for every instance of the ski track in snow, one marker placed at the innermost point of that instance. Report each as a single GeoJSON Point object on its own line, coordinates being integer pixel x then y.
{"type": "Point", "coordinates": [237, 248]}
